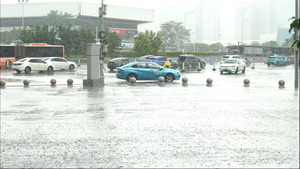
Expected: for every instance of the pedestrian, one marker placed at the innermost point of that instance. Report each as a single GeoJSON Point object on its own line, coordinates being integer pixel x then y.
{"type": "Point", "coordinates": [167, 64]}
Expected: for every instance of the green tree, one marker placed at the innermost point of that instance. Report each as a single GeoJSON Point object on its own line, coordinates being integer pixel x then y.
{"type": "Point", "coordinates": [114, 44]}
{"type": "Point", "coordinates": [288, 42]}
{"type": "Point", "coordinates": [270, 43]}
{"type": "Point", "coordinates": [296, 26]}
{"type": "Point", "coordinates": [147, 42]}
{"type": "Point", "coordinates": [174, 34]}
{"type": "Point", "coordinates": [255, 43]}
{"type": "Point", "coordinates": [27, 35]}
{"type": "Point", "coordinates": [10, 36]}
{"type": "Point", "coordinates": [216, 46]}
{"type": "Point", "coordinates": [55, 18]}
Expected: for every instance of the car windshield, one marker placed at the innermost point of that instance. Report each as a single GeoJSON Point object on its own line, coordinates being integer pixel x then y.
{"type": "Point", "coordinates": [230, 61]}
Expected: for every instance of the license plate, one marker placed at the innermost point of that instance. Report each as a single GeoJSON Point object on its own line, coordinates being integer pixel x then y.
{"type": "Point", "coordinates": [226, 69]}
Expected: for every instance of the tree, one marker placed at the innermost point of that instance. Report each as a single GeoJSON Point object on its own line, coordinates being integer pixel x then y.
{"type": "Point", "coordinates": [255, 43]}
{"type": "Point", "coordinates": [114, 43]}
{"type": "Point", "coordinates": [147, 43]}
{"type": "Point", "coordinates": [174, 34]}
{"type": "Point", "coordinates": [288, 42]}
{"type": "Point", "coordinates": [10, 36]}
{"type": "Point", "coordinates": [296, 26]}
{"type": "Point", "coordinates": [270, 43]}
{"type": "Point", "coordinates": [55, 18]}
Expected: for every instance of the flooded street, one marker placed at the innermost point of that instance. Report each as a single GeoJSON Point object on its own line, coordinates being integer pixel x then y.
{"type": "Point", "coordinates": [151, 125]}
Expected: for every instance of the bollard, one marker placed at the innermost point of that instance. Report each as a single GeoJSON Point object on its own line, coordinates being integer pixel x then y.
{"type": "Point", "coordinates": [26, 83]}
{"type": "Point", "coordinates": [133, 81]}
{"type": "Point", "coordinates": [253, 64]}
{"type": "Point", "coordinates": [214, 68]}
{"type": "Point", "coordinates": [2, 83]}
{"type": "Point", "coordinates": [209, 81]}
{"type": "Point", "coordinates": [161, 80]}
{"type": "Point", "coordinates": [70, 82]}
{"type": "Point", "coordinates": [281, 83]}
{"type": "Point", "coordinates": [53, 82]}
{"type": "Point", "coordinates": [246, 82]}
{"type": "Point", "coordinates": [184, 81]}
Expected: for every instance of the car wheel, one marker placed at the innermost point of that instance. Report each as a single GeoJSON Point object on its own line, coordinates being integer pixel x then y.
{"type": "Point", "coordinates": [244, 70]}
{"type": "Point", "coordinates": [221, 72]}
{"type": "Point", "coordinates": [50, 70]}
{"type": "Point", "coordinates": [268, 64]}
{"type": "Point", "coordinates": [18, 71]}
{"type": "Point", "coordinates": [27, 69]}
{"type": "Point", "coordinates": [71, 67]}
{"type": "Point", "coordinates": [236, 71]}
{"type": "Point", "coordinates": [131, 75]}
{"type": "Point", "coordinates": [169, 77]}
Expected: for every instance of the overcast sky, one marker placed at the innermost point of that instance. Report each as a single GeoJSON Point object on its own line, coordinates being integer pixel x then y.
{"type": "Point", "coordinates": [158, 5]}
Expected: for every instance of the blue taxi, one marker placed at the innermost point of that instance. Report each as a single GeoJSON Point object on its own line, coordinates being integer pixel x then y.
{"type": "Point", "coordinates": [277, 60]}
{"type": "Point", "coordinates": [146, 70]}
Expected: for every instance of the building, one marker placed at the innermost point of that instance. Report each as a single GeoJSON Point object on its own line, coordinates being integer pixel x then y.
{"type": "Point", "coordinates": [263, 21]}
{"type": "Point", "coordinates": [123, 20]}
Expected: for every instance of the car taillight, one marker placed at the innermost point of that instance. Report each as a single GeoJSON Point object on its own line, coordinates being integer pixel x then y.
{"type": "Point", "coordinates": [20, 63]}
{"type": "Point", "coordinates": [185, 60]}
{"type": "Point", "coordinates": [115, 63]}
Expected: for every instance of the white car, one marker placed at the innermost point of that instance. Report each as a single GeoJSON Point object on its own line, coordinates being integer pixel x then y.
{"type": "Point", "coordinates": [232, 65]}
{"type": "Point", "coordinates": [31, 64]}
{"type": "Point", "coordinates": [61, 63]}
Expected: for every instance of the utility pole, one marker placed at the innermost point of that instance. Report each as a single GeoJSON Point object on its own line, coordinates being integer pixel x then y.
{"type": "Point", "coordinates": [185, 28]}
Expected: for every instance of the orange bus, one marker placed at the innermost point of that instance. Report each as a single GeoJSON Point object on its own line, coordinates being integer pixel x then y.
{"type": "Point", "coordinates": [12, 53]}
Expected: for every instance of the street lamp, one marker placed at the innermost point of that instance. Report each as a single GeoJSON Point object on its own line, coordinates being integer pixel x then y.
{"type": "Point", "coordinates": [23, 2]}
{"type": "Point", "coordinates": [185, 28]}
{"type": "Point", "coordinates": [243, 28]}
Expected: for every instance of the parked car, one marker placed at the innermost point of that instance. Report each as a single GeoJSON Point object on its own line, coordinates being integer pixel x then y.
{"type": "Point", "coordinates": [118, 62]}
{"type": "Point", "coordinates": [276, 60]}
{"type": "Point", "coordinates": [247, 60]}
{"type": "Point", "coordinates": [232, 65]}
{"type": "Point", "coordinates": [160, 60]}
{"type": "Point", "coordinates": [190, 62]}
{"type": "Point", "coordinates": [146, 70]}
{"type": "Point", "coordinates": [60, 63]}
{"type": "Point", "coordinates": [31, 64]}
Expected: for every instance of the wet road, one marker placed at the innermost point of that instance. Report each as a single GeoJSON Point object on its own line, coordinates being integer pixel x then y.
{"type": "Point", "coordinates": [148, 125]}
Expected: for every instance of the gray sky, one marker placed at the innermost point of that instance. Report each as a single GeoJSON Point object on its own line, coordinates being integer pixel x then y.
{"type": "Point", "coordinates": [226, 12]}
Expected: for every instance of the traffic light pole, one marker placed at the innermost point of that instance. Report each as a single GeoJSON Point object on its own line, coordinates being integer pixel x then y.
{"type": "Point", "coordinates": [102, 13]}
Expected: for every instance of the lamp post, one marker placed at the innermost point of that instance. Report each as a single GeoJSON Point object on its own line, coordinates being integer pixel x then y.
{"type": "Point", "coordinates": [23, 2]}
{"type": "Point", "coordinates": [185, 28]}
{"type": "Point", "coordinates": [243, 28]}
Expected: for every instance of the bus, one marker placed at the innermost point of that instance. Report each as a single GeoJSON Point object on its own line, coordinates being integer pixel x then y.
{"type": "Point", "coordinates": [12, 53]}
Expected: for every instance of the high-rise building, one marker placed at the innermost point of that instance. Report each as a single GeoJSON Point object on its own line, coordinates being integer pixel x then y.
{"type": "Point", "coordinates": [260, 20]}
